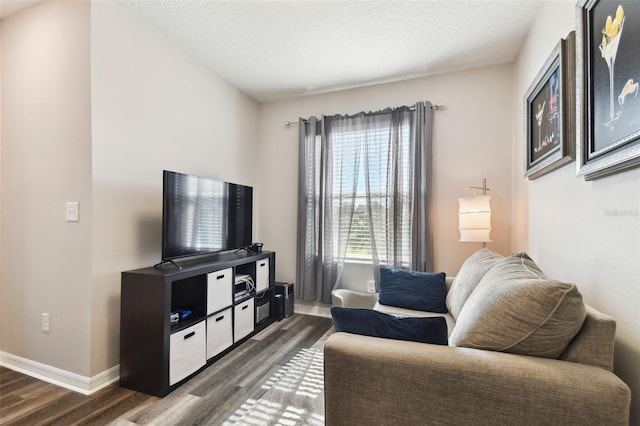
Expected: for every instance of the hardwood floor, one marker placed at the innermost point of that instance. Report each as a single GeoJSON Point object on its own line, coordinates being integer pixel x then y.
{"type": "Point", "coordinates": [207, 399]}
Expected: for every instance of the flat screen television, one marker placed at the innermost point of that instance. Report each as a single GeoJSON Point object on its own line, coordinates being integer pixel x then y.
{"type": "Point", "coordinates": [202, 215]}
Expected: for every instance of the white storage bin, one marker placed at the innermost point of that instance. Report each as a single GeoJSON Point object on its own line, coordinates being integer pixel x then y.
{"type": "Point", "coordinates": [243, 319]}
{"type": "Point", "coordinates": [262, 274]}
{"type": "Point", "coordinates": [187, 352]}
{"type": "Point", "coordinates": [219, 332]}
{"type": "Point", "coordinates": [219, 290]}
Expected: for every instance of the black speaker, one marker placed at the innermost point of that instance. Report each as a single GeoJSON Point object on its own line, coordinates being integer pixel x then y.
{"type": "Point", "coordinates": [286, 290]}
{"type": "Point", "coordinates": [278, 302]}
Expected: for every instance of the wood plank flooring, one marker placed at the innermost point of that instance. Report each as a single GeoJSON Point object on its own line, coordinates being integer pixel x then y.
{"type": "Point", "coordinates": [210, 398]}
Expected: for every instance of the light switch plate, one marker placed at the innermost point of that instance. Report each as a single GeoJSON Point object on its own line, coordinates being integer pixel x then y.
{"type": "Point", "coordinates": [73, 211]}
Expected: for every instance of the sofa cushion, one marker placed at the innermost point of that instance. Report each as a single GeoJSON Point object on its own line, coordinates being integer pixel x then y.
{"type": "Point", "coordinates": [368, 322]}
{"type": "Point", "coordinates": [470, 274]}
{"type": "Point", "coordinates": [420, 291]}
{"type": "Point", "coordinates": [516, 309]}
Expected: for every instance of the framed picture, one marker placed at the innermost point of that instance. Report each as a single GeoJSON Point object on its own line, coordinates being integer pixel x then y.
{"type": "Point", "coordinates": [608, 72]}
{"type": "Point", "coordinates": [550, 112]}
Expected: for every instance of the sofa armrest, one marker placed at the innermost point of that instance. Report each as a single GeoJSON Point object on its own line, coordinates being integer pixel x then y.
{"type": "Point", "coordinates": [353, 299]}
{"type": "Point", "coordinates": [373, 381]}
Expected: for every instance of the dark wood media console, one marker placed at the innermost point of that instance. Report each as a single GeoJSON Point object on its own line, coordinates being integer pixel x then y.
{"type": "Point", "coordinates": [158, 355]}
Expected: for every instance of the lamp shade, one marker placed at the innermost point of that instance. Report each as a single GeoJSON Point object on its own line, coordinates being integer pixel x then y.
{"type": "Point", "coordinates": [474, 219]}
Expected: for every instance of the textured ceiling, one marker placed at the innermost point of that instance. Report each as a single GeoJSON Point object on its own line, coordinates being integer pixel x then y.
{"type": "Point", "coordinates": [280, 49]}
{"type": "Point", "coordinates": [274, 50]}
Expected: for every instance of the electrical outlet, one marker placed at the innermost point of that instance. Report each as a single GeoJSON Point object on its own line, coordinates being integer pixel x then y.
{"type": "Point", "coordinates": [73, 211]}
{"type": "Point", "coordinates": [46, 323]}
{"type": "Point", "coordinates": [371, 286]}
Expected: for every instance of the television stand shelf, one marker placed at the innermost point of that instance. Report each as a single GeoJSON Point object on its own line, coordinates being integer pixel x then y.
{"type": "Point", "coordinates": [156, 355]}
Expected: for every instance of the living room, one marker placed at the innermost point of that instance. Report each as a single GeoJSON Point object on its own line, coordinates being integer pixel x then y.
{"type": "Point", "coordinates": [107, 103]}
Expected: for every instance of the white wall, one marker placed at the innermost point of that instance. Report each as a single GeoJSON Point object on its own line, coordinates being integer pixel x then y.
{"type": "Point", "coordinates": [94, 114]}
{"type": "Point", "coordinates": [472, 140]}
{"type": "Point", "coordinates": [154, 108]}
{"type": "Point", "coordinates": [1, 322]}
{"type": "Point", "coordinates": [46, 159]}
{"type": "Point", "coordinates": [569, 226]}
{"type": "Point", "coordinates": [94, 106]}
{"type": "Point", "coordinates": [1, 192]}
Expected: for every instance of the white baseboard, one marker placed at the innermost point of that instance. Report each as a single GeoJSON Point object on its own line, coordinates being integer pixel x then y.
{"type": "Point", "coordinates": [58, 377]}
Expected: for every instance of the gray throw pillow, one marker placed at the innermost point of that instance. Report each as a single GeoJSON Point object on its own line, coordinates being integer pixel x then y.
{"type": "Point", "coordinates": [516, 309]}
{"type": "Point", "coordinates": [470, 274]}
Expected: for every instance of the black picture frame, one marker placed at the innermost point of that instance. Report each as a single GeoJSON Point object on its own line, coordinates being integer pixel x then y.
{"type": "Point", "coordinates": [608, 75]}
{"type": "Point", "coordinates": [550, 112]}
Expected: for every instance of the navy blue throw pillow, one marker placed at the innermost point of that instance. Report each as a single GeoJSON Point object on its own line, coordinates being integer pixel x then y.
{"type": "Point", "coordinates": [368, 322]}
{"type": "Point", "coordinates": [420, 291]}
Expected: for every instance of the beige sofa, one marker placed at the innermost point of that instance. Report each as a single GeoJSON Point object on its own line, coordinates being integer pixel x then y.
{"type": "Point", "coordinates": [375, 381]}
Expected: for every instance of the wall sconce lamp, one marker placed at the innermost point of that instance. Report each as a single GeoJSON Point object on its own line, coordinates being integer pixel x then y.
{"type": "Point", "coordinates": [474, 216]}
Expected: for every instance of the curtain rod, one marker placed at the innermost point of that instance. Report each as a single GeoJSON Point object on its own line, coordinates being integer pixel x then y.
{"type": "Point", "coordinates": [435, 107]}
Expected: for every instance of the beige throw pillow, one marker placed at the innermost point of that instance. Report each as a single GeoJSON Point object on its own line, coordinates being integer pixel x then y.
{"type": "Point", "coordinates": [516, 309]}
{"type": "Point", "coordinates": [470, 274]}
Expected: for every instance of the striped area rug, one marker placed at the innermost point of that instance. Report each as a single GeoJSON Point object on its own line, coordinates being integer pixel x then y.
{"type": "Point", "coordinates": [294, 395]}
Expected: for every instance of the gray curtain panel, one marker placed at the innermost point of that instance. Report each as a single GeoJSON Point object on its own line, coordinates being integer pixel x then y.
{"type": "Point", "coordinates": [421, 232]}
{"type": "Point", "coordinates": [363, 193]}
{"type": "Point", "coordinates": [309, 207]}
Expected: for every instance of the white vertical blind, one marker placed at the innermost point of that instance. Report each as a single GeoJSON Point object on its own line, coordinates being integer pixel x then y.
{"type": "Point", "coordinates": [373, 145]}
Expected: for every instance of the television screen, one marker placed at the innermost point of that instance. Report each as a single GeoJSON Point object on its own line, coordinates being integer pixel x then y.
{"type": "Point", "coordinates": [202, 215]}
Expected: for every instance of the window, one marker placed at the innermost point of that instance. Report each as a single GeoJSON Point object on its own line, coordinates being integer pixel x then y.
{"type": "Point", "coordinates": [363, 195]}
{"type": "Point", "coordinates": [371, 192]}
